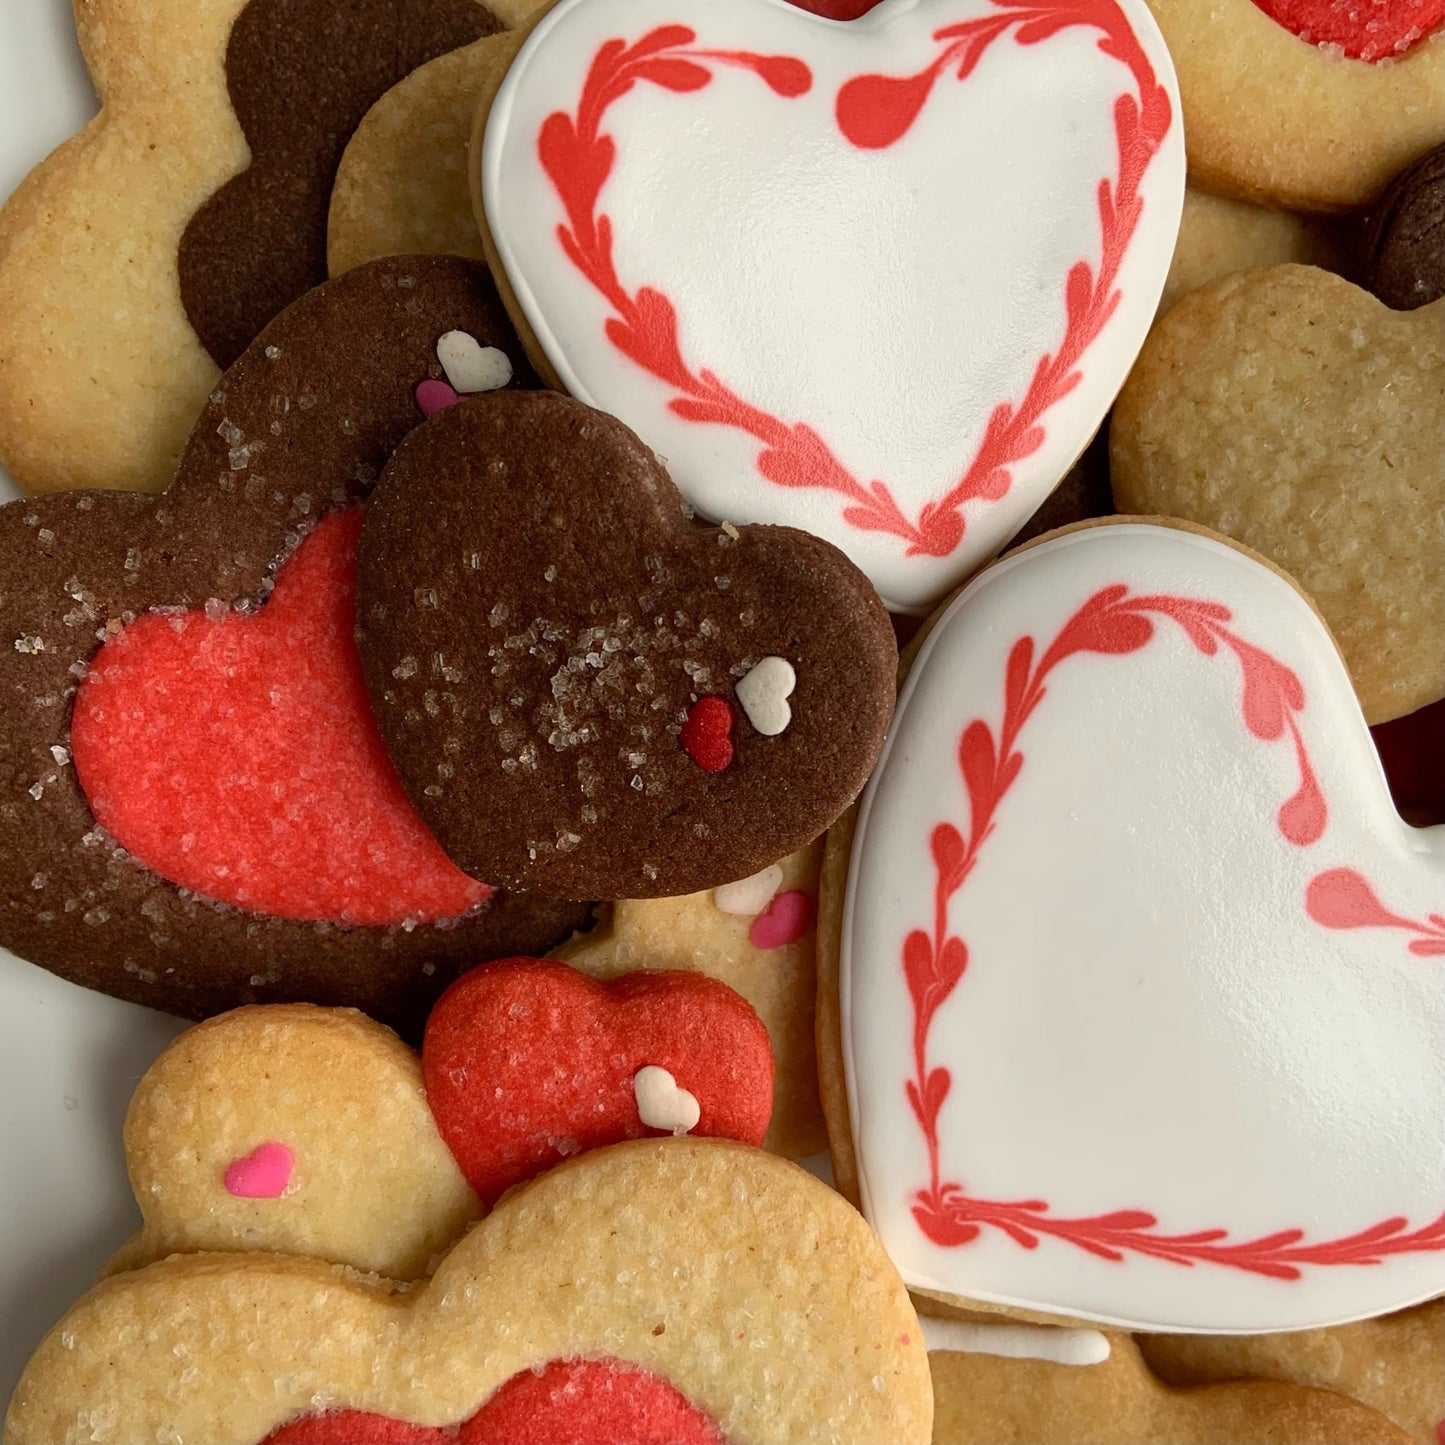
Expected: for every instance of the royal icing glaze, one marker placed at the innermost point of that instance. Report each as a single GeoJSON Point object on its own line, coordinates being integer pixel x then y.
{"type": "Point", "coordinates": [1143, 1008]}
{"type": "Point", "coordinates": [757, 237]}
{"type": "Point", "coordinates": [1017, 1342]}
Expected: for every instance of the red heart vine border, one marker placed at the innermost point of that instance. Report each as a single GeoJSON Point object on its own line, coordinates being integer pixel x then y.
{"type": "Point", "coordinates": [1113, 623]}
{"type": "Point", "coordinates": [872, 111]}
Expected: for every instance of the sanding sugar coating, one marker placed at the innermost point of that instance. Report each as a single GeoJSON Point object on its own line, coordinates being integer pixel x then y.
{"type": "Point", "coordinates": [301, 425]}
{"type": "Point", "coordinates": [536, 657]}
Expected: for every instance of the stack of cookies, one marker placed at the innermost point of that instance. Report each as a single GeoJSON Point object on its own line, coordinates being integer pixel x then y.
{"type": "Point", "coordinates": [481, 463]}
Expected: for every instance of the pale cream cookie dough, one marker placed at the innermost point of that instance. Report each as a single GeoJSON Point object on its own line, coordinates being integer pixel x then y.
{"type": "Point", "coordinates": [101, 374]}
{"type": "Point", "coordinates": [1022, 1385]}
{"type": "Point", "coordinates": [1394, 1364]}
{"type": "Point", "coordinates": [1218, 236]}
{"type": "Point", "coordinates": [753, 1290]}
{"type": "Point", "coordinates": [1295, 413]}
{"type": "Point", "coordinates": [403, 186]}
{"type": "Point", "coordinates": [1273, 119]}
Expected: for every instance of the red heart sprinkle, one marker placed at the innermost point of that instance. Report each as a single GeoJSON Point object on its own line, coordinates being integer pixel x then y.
{"type": "Point", "coordinates": [432, 396]}
{"type": "Point", "coordinates": [528, 1061]}
{"type": "Point", "coordinates": [237, 755]}
{"type": "Point", "coordinates": [707, 733]}
{"type": "Point", "coordinates": [571, 1402]}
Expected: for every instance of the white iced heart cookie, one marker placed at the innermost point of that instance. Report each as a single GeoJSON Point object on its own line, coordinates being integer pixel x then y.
{"type": "Point", "coordinates": [880, 280]}
{"type": "Point", "coordinates": [662, 1103]}
{"type": "Point", "coordinates": [470, 366]}
{"type": "Point", "coordinates": [1142, 979]}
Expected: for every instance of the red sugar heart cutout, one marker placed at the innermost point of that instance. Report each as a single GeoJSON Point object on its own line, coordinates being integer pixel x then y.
{"type": "Point", "coordinates": [238, 756]}
{"type": "Point", "coordinates": [1362, 29]}
{"type": "Point", "coordinates": [570, 1402]}
{"type": "Point", "coordinates": [527, 1062]}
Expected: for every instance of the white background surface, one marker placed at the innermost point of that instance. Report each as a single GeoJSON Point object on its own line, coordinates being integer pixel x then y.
{"type": "Point", "coordinates": [68, 1058]}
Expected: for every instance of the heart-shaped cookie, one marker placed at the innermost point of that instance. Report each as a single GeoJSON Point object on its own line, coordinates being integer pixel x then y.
{"type": "Point", "coordinates": [323, 1101]}
{"type": "Point", "coordinates": [1345, 491]}
{"type": "Point", "coordinates": [1141, 990]}
{"type": "Point", "coordinates": [538, 656]}
{"type": "Point", "coordinates": [755, 1297]}
{"type": "Point", "coordinates": [753, 235]}
{"type": "Point", "coordinates": [1304, 104]}
{"type": "Point", "coordinates": [1014, 1383]}
{"type": "Point", "coordinates": [528, 1062]}
{"type": "Point", "coordinates": [243, 863]}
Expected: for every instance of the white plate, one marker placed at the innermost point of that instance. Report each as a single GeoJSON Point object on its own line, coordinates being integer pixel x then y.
{"type": "Point", "coordinates": [68, 1058]}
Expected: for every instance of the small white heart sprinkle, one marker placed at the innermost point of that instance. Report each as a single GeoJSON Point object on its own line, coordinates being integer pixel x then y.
{"type": "Point", "coordinates": [470, 366]}
{"type": "Point", "coordinates": [661, 1104]}
{"type": "Point", "coordinates": [764, 694]}
{"type": "Point", "coordinates": [749, 895]}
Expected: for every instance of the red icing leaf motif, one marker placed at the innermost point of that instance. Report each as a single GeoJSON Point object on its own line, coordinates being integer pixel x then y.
{"type": "Point", "coordinates": [238, 756]}
{"type": "Point", "coordinates": [872, 112]}
{"type": "Point", "coordinates": [528, 1062]}
{"type": "Point", "coordinates": [1113, 623]}
{"type": "Point", "coordinates": [1343, 898]}
{"type": "Point", "coordinates": [569, 1402]}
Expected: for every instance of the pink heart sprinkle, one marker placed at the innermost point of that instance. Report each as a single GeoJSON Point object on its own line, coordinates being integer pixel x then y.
{"type": "Point", "coordinates": [263, 1174]}
{"type": "Point", "coordinates": [786, 921]}
{"type": "Point", "coordinates": [432, 396]}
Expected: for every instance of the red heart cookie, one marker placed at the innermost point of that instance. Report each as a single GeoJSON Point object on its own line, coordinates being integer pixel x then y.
{"type": "Point", "coordinates": [559, 662]}
{"type": "Point", "coordinates": [528, 1062]}
{"type": "Point", "coordinates": [243, 861]}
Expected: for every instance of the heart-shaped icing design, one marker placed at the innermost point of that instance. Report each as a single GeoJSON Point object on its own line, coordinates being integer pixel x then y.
{"type": "Point", "coordinates": [528, 1062]}
{"type": "Point", "coordinates": [1142, 1010]}
{"type": "Point", "coordinates": [701, 210]}
{"type": "Point", "coordinates": [287, 804]}
{"type": "Point", "coordinates": [582, 1400]}
{"type": "Point", "coordinates": [675, 1259]}
{"type": "Point", "coordinates": [552, 661]}
{"type": "Point", "coordinates": [470, 366]}
{"type": "Point", "coordinates": [764, 694]}
{"type": "Point", "coordinates": [1359, 32]}
{"type": "Point", "coordinates": [264, 1173]}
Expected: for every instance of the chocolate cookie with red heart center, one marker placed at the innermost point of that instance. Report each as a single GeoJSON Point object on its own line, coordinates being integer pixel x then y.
{"type": "Point", "coordinates": [589, 695]}
{"type": "Point", "coordinates": [197, 808]}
